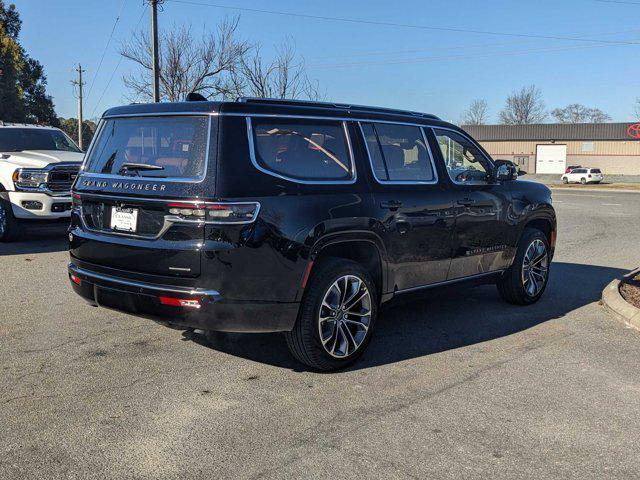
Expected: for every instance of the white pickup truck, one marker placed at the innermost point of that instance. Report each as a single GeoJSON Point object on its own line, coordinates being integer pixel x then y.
{"type": "Point", "coordinates": [37, 168]}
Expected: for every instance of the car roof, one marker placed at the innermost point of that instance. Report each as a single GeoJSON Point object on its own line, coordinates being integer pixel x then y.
{"type": "Point", "coordinates": [26, 125]}
{"type": "Point", "coordinates": [278, 107]}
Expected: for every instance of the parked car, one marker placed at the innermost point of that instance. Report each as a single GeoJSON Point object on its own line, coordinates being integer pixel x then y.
{"type": "Point", "coordinates": [37, 167]}
{"type": "Point", "coordinates": [298, 217]}
{"type": "Point", "coordinates": [583, 176]}
{"type": "Point", "coordinates": [572, 167]}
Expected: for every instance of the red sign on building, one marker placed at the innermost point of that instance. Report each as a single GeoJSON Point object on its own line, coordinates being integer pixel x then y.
{"type": "Point", "coordinates": [634, 130]}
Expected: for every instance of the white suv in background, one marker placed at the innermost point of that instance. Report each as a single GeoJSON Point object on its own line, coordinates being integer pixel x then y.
{"type": "Point", "coordinates": [583, 176]}
{"type": "Point", "coordinates": [37, 168]}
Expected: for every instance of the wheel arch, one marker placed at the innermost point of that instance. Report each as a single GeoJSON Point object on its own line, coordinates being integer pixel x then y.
{"type": "Point", "coordinates": [364, 248]}
{"type": "Point", "coordinates": [546, 224]}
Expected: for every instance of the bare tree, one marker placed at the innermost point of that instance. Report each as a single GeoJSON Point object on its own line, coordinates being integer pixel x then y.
{"type": "Point", "coordinates": [524, 107]}
{"type": "Point", "coordinates": [282, 77]}
{"type": "Point", "coordinates": [186, 64]}
{"type": "Point", "coordinates": [477, 113]}
{"type": "Point", "coordinates": [577, 113]}
{"type": "Point", "coordinates": [636, 108]}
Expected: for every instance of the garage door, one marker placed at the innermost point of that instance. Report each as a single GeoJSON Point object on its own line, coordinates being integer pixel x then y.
{"type": "Point", "coordinates": [551, 158]}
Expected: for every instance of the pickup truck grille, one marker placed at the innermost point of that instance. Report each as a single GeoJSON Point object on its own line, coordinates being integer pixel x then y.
{"type": "Point", "coordinates": [61, 178]}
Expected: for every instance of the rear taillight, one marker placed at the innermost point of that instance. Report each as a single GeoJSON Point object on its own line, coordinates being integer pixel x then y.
{"type": "Point", "coordinates": [75, 279]}
{"type": "Point", "coordinates": [76, 200]}
{"type": "Point", "coordinates": [215, 212]}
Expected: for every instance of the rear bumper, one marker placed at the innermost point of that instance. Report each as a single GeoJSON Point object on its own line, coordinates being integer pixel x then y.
{"type": "Point", "coordinates": [214, 313]}
{"type": "Point", "coordinates": [52, 206]}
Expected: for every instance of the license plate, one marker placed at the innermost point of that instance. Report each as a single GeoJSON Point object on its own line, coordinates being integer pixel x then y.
{"type": "Point", "coordinates": [124, 219]}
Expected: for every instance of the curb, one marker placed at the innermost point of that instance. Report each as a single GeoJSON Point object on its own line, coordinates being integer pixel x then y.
{"type": "Point", "coordinates": [587, 189]}
{"type": "Point", "coordinates": [618, 306]}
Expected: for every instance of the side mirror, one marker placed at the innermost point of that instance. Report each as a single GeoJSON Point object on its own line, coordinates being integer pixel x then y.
{"type": "Point", "coordinates": [505, 170]}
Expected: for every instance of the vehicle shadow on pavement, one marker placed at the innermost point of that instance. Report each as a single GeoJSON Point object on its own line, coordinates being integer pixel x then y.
{"type": "Point", "coordinates": [38, 239]}
{"type": "Point", "coordinates": [441, 319]}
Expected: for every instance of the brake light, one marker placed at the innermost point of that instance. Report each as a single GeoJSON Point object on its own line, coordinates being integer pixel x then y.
{"type": "Point", "coordinates": [76, 199]}
{"type": "Point", "coordinates": [216, 212]}
{"type": "Point", "coordinates": [180, 302]}
{"type": "Point", "coordinates": [75, 279]}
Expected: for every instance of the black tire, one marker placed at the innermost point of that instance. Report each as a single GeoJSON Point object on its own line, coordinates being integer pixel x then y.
{"type": "Point", "coordinates": [304, 340]}
{"type": "Point", "coordinates": [583, 181]}
{"type": "Point", "coordinates": [511, 283]}
{"type": "Point", "coordinates": [9, 225]}
{"type": "Point", "coordinates": [565, 180]}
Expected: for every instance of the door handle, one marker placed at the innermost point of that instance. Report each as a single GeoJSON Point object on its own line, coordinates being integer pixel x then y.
{"type": "Point", "coordinates": [391, 204]}
{"type": "Point", "coordinates": [466, 202]}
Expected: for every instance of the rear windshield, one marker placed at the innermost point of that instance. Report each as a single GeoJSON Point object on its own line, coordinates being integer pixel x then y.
{"type": "Point", "coordinates": [595, 170]}
{"type": "Point", "coordinates": [158, 147]}
{"type": "Point", "coordinates": [19, 139]}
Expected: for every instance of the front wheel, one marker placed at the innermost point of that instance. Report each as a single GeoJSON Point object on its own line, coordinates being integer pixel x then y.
{"type": "Point", "coordinates": [336, 317]}
{"type": "Point", "coordinates": [583, 181]}
{"type": "Point", "coordinates": [8, 224]}
{"type": "Point", "coordinates": [565, 180]}
{"type": "Point", "coordinates": [525, 281]}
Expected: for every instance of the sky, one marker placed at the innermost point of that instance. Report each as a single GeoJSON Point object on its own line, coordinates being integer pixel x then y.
{"type": "Point", "coordinates": [433, 56]}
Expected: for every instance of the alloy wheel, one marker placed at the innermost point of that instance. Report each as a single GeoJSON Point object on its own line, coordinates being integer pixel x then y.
{"type": "Point", "coordinates": [535, 268]}
{"type": "Point", "coordinates": [344, 316]}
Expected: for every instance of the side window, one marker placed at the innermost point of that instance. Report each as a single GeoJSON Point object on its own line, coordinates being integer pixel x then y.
{"type": "Point", "coordinates": [398, 153]}
{"type": "Point", "coordinates": [302, 149]}
{"type": "Point", "coordinates": [464, 161]}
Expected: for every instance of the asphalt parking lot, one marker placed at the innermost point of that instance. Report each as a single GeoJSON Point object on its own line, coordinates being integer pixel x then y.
{"type": "Point", "coordinates": [455, 384]}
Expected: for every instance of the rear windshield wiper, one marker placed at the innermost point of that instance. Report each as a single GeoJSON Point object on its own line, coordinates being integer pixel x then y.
{"type": "Point", "coordinates": [136, 167]}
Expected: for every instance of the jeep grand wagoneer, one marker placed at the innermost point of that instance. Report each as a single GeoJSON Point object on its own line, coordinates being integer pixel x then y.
{"type": "Point", "coordinates": [299, 217]}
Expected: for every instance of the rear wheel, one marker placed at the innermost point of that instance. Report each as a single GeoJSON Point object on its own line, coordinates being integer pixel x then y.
{"type": "Point", "coordinates": [525, 281]}
{"type": "Point", "coordinates": [9, 226]}
{"type": "Point", "coordinates": [583, 181]}
{"type": "Point", "coordinates": [336, 317]}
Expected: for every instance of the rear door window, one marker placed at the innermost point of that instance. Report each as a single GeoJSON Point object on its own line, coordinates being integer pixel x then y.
{"type": "Point", "coordinates": [158, 147]}
{"type": "Point", "coordinates": [302, 150]}
{"type": "Point", "coordinates": [398, 153]}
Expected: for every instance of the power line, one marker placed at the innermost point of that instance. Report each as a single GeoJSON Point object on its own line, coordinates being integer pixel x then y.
{"type": "Point", "coordinates": [113, 73]}
{"type": "Point", "coordinates": [390, 24]}
{"type": "Point", "coordinates": [461, 57]}
{"type": "Point", "coordinates": [106, 47]}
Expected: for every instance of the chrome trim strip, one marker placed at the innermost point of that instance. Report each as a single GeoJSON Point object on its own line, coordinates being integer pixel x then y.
{"type": "Point", "coordinates": [449, 282]}
{"type": "Point", "coordinates": [132, 283]}
{"type": "Point", "coordinates": [254, 160]}
{"type": "Point", "coordinates": [156, 179]}
{"type": "Point", "coordinates": [169, 220]}
{"type": "Point", "coordinates": [433, 129]}
{"type": "Point", "coordinates": [401, 182]}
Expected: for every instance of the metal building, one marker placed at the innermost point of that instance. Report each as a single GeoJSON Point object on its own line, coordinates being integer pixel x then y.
{"type": "Point", "coordinates": [550, 148]}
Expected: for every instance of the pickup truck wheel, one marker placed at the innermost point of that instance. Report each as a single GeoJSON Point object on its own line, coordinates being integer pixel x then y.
{"type": "Point", "coordinates": [336, 316]}
{"type": "Point", "coordinates": [525, 281]}
{"type": "Point", "coordinates": [8, 224]}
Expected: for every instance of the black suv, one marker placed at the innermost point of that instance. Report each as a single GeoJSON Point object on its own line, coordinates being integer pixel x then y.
{"type": "Point", "coordinates": [300, 217]}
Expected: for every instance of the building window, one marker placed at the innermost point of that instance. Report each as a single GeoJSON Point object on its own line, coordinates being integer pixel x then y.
{"type": "Point", "coordinates": [588, 146]}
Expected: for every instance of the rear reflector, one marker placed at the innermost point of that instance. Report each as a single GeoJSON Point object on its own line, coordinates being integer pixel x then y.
{"type": "Point", "coordinates": [75, 279]}
{"type": "Point", "coordinates": [180, 302]}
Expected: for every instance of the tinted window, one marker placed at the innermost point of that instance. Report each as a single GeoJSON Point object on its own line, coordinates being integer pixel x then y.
{"type": "Point", "coordinates": [166, 146]}
{"type": "Point", "coordinates": [464, 161]}
{"type": "Point", "coordinates": [302, 149]}
{"type": "Point", "coordinates": [398, 152]}
{"type": "Point", "coordinates": [595, 170]}
{"type": "Point", "coordinates": [19, 139]}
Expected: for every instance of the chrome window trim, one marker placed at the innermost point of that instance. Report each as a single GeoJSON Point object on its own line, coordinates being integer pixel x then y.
{"type": "Point", "coordinates": [254, 160]}
{"type": "Point", "coordinates": [401, 182]}
{"type": "Point", "coordinates": [199, 179]}
{"type": "Point", "coordinates": [473, 142]}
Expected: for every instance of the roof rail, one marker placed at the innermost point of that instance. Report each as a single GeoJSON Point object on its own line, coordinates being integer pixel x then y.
{"type": "Point", "coordinates": [344, 106]}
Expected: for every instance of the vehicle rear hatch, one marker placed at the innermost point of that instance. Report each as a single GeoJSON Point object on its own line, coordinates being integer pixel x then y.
{"type": "Point", "coordinates": [134, 201]}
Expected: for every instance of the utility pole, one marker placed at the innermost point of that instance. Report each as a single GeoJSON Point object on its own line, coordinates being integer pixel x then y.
{"type": "Point", "coordinates": [156, 62]}
{"type": "Point", "coordinates": [80, 84]}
